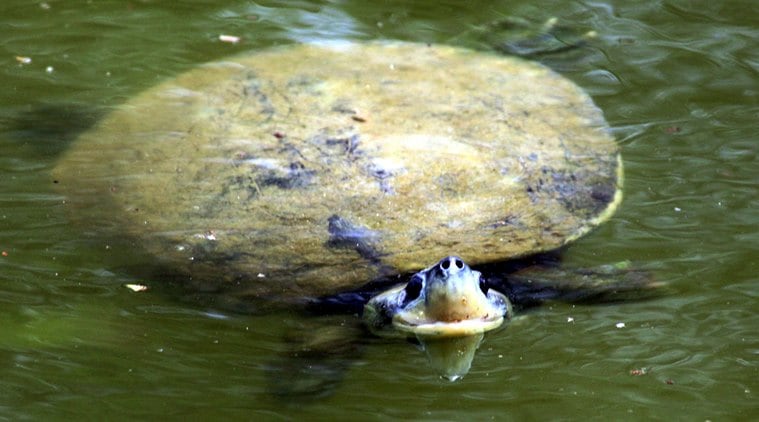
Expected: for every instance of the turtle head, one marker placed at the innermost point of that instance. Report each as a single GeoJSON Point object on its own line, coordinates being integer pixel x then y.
{"type": "Point", "coordinates": [444, 300]}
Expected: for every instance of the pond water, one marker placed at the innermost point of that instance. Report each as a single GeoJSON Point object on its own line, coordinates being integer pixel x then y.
{"type": "Point", "coordinates": [678, 82]}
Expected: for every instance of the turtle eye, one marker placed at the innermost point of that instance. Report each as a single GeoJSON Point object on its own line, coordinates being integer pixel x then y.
{"type": "Point", "coordinates": [413, 289]}
{"type": "Point", "coordinates": [484, 285]}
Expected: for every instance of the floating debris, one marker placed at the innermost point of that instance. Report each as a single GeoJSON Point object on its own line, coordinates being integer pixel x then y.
{"type": "Point", "coordinates": [638, 372]}
{"type": "Point", "coordinates": [672, 129]}
{"type": "Point", "coordinates": [23, 59]}
{"type": "Point", "coordinates": [136, 287]}
{"type": "Point", "coordinates": [229, 38]}
{"type": "Point", "coordinates": [620, 325]}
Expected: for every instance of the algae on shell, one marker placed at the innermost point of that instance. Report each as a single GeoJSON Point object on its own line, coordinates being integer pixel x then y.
{"type": "Point", "coordinates": [234, 173]}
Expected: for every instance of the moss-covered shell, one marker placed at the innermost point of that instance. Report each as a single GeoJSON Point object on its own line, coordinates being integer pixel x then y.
{"type": "Point", "coordinates": [310, 169]}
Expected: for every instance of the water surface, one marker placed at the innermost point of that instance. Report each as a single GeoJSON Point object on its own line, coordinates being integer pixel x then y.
{"type": "Point", "coordinates": [677, 81]}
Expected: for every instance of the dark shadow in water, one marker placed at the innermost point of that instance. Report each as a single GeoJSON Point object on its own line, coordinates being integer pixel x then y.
{"type": "Point", "coordinates": [316, 358]}
{"type": "Point", "coordinates": [329, 338]}
{"type": "Point", "coordinates": [48, 128]}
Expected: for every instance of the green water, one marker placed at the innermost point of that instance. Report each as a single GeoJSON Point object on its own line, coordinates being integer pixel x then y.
{"type": "Point", "coordinates": [679, 84]}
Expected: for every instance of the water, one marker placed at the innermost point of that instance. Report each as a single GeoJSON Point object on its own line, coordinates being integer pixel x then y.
{"type": "Point", "coordinates": [677, 81]}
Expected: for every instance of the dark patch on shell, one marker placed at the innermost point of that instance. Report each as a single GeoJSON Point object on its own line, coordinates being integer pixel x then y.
{"type": "Point", "coordinates": [603, 194]}
{"type": "Point", "coordinates": [340, 143]}
{"type": "Point", "coordinates": [254, 90]}
{"type": "Point", "coordinates": [344, 234]}
{"type": "Point", "coordinates": [348, 143]}
{"type": "Point", "coordinates": [383, 176]}
{"type": "Point", "coordinates": [343, 107]}
{"type": "Point", "coordinates": [296, 176]}
{"type": "Point", "coordinates": [239, 187]}
{"type": "Point", "coordinates": [258, 173]}
{"type": "Point", "coordinates": [577, 191]}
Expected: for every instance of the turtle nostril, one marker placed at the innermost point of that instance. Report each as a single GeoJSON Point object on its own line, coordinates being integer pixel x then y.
{"type": "Point", "coordinates": [459, 264]}
{"type": "Point", "coordinates": [445, 264]}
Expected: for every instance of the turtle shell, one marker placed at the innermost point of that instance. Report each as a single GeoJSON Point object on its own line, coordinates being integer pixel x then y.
{"type": "Point", "coordinates": [309, 169]}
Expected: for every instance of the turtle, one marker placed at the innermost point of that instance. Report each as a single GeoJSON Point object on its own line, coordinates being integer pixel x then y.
{"type": "Point", "coordinates": [336, 172]}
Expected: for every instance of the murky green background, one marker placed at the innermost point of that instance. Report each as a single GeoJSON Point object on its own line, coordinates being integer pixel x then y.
{"type": "Point", "coordinates": [678, 82]}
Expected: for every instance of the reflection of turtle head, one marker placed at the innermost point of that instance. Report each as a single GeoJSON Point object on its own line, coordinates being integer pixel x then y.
{"type": "Point", "coordinates": [451, 357]}
{"type": "Point", "coordinates": [444, 300]}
